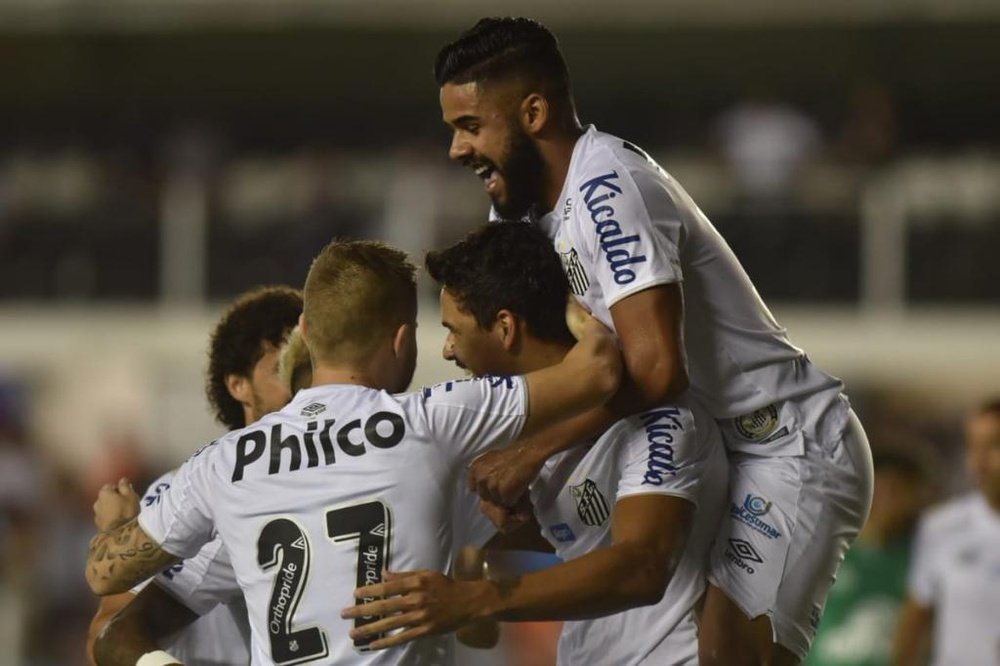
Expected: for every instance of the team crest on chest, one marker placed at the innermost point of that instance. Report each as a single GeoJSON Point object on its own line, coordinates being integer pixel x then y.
{"type": "Point", "coordinates": [578, 280]}
{"type": "Point", "coordinates": [593, 509]}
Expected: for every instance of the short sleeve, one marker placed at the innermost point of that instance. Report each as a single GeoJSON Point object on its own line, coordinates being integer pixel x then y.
{"type": "Point", "coordinates": [203, 581]}
{"type": "Point", "coordinates": [923, 582]}
{"type": "Point", "coordinates": [180, 517]}
{"type": "Point", "coordinates": [474, 415]}
{"type": "Point", "coordinates": [662, 454]}
{"type": "Point", "coordinates": [632, 227]}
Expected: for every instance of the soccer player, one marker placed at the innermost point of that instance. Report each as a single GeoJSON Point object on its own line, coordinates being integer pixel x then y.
{"type": "Point", "coordinates": [348, 479]}
{"type": "Point", "coordinates": [953, 605]}
{"type": "Point", "coordinates": [632, 514]}
{"type": "Point", "coordinates": [242, 386]}
{"type": "Point", "coordinates": [645, 260]}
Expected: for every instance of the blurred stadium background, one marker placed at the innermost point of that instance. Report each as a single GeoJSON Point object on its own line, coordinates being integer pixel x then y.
{"type": "Point", "coordinates": [159, 157]}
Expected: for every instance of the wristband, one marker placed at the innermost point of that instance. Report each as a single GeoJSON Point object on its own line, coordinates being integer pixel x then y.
{"type": "Point", "coordinates": [157, 658]}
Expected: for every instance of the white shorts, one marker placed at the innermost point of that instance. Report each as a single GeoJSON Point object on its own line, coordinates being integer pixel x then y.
{"type": "Point", "coordinates": [790, 521]}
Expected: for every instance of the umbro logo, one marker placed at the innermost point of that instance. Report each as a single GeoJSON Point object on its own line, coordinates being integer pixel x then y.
{"type": "Point", "coordinates": [313, 409]}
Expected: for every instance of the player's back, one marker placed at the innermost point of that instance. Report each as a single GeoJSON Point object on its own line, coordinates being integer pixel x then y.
{"type": "Point", "coordinates": [345, 481]}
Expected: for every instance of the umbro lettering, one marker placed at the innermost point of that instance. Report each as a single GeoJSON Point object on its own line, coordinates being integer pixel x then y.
{"type": "Point", "coordinates": [382, 430]}
{"type": "Point", "coordinates": [598, 193]}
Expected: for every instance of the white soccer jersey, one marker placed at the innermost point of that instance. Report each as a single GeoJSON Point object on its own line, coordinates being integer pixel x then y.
{"type": "Point", "coordinates": [319, 498]}
{"type": "Point", "coordinates": [622, 225]}
{"type": "Point", "coordinates": [668, 451]}
{"type": "Point", "coordinates": [205, 584]}
{"type": "Point", "coordinates": [956, 570]}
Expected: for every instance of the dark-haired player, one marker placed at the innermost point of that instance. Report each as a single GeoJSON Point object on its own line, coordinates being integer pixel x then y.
{"type": "Point", "coordinates": [242, 385]}
{"type": "Point", "coordinates": [632, 513]}
{"type": "Point", "coordinates": [646, 260]}
{"type": "Point", "coordinates": [952, 611]}
{"type": "Point", "coordinates": [351, 477]}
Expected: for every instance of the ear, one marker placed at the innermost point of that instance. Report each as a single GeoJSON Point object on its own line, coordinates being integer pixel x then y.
{"type": "Point", "coordinates": [302, 326]}
{"type": "Point", "coordinates": [239, 387]}
{"type": "Point", "coordinates": [506, 328]}
{"type": "Point", "coordinates": [534, 113]}
{"type": "Point", "coordinates": [401, 340]}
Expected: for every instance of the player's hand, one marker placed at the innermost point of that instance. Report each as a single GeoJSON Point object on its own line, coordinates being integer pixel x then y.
{"type": "Point", "coordinates": [117, 503]}
{"type": "Point", "coordinates": [502, 476]}
{"type": "Point", "coordinates": [421, 603]}
{"type": "Point", "coordinates": [505, 519]}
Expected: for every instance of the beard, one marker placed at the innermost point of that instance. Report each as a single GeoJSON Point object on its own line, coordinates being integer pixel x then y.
{"type": "Point", "coordinates": [523, 171]}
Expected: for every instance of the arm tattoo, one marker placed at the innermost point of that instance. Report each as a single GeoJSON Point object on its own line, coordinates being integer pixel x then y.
{"type": "Point", "coordinates": [122, 557]}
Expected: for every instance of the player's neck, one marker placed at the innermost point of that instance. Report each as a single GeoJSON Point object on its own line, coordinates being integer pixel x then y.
{"type": "Point", "coordinates": [370, 377]}
{"type": "Point", "coordinates": [558, 153]}
{"type": "Point", "coordinates": [539, 354]}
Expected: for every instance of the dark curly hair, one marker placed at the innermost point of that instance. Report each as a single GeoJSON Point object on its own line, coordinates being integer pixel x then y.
{"type": "Point", "coordinates": [501, 48]}
{"type": "Point", "coordinates": [511, 266]}
{"type": "Point", "coordinates": [261, 316]}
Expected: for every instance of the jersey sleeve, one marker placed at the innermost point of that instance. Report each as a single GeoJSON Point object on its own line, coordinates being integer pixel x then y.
{"type": "Point", "coordinates": [473, 415]}
{"type": "Point", "coordinates": [204, 581]}
{"type": "Point", "coordinates": [631, 226]}
{"type": "Point", "coordinates": [661, 455]}
{"type": "Point", "coordinates": [924, 579]}
{"type": "Point", "coordinates": [180, 519]}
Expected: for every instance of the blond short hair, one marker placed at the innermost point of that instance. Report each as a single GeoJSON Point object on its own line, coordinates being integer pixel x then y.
{"type": "Point", "coordinates": [294, 364]}
{"type": "Point", "coordinates": [356, 294]}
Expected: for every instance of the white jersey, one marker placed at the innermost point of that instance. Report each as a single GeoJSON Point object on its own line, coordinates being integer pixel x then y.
{"type": "Point", "coordinates": [317, 499]}
{"type": "Point", "coordinates": [622, 225]}
{"type": "Point", "coordinates": [205, 584]}
{"type": "Point", "coordinates": [667, 451]}
{"type": "Point", "coordinates": [956, 570]}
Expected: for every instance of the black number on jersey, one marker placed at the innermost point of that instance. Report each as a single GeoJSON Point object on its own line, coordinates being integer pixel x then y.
{"type": "Point", "coordinates": [371, 524]}
{"type": "Point", "coordinates": [284, 544]}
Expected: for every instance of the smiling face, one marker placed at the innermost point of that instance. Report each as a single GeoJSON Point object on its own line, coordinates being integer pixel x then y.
{"type": "Point", "coordinates": [983, 453]}
{"type": "Point", "coordinates": [488, 138]}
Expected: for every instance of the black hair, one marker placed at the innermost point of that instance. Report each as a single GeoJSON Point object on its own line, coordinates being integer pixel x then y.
{"type": "Point", "coordinates": [506, 265]}
{"type": "Point", "coordinates": [262, 316]}
{"type": "Point", "coordinates": [500, 48]}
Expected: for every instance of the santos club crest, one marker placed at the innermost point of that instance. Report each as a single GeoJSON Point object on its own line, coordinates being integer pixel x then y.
{"type": "Point", "coordinates": [590, 503]}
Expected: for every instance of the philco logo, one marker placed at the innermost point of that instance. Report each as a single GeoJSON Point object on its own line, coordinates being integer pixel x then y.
{"type": "Point", "coordinates": [597, 194]}
{"type": "Point", "coordinates": [750, 514]}
{"type": "Point", "coordinates": [590, 503]}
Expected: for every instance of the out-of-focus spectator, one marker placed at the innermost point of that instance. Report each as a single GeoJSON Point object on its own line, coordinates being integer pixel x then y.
{"type": "Point", "coordinates": [765, 143]}
{"type": "Point", "coordinates": [870, 129]}
{"type": "Point", "coordinates": [954, 584]}
{"type": "Point", "coordinates": [863, 606]}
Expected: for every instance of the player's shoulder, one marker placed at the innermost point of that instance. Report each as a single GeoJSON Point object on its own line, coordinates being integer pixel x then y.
{"type": "Point", "coordinates": [157, 488]}
{"type": "Point", "coordinates": [951, 517]}
{"type": "Point", "coordinates": [618, 159]}
{"type": "Point", "coordinates": [460, 391]}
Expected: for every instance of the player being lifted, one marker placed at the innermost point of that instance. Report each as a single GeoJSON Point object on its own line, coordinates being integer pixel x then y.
{"type": "Point", "coordinates": [645, 260]}
{"type": "Point", "coordinates": [348, 479]}
{"type": "Point", "coordinates": [242, 386]}
{"type": "Point", "coordinates": [632, 515]}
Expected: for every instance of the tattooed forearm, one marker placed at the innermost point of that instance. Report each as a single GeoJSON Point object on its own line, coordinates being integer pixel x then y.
{"type": "Point", "coordinates": [122, 557]}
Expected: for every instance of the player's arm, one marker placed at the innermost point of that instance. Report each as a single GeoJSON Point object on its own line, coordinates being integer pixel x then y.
{"type": "Point", "coordinates": [107, 608]}
{"type": "Point", "coordinates": [913, 632]}
{"type": "Point", "coordinates": [141, 626]}
{"type": "Point", "coordinates": [648, 532]}
{"type": "Point", "coordinates": [122, 557]}
{"type": "Point", "coordinates": [650, 327]}
{"type": "Point", "coordinates": [588, 376]}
